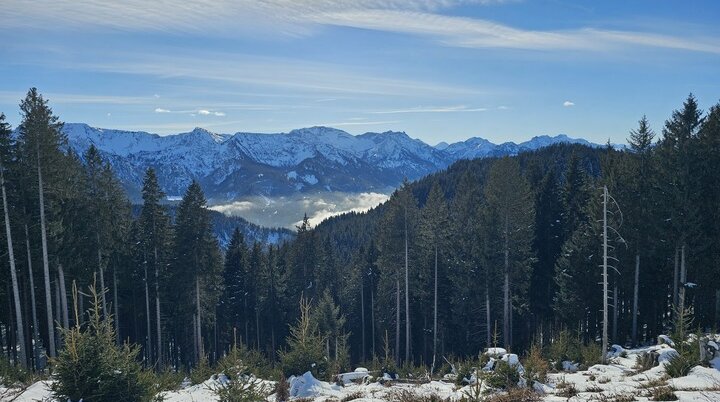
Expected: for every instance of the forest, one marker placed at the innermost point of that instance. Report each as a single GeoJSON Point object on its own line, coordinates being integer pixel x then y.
{"type": "Point", "coordinates": [490, 252]}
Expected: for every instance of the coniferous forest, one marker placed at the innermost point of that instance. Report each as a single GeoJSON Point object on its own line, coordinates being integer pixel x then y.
{"type": "Point", "coordinates": [489, 252]}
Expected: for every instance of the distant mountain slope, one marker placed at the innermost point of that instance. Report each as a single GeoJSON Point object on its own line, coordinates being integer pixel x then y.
{"type": "Point", "coordinates": [303, 160]}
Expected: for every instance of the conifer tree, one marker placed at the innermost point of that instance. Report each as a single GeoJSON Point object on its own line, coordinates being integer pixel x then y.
{"type": "Point", "coordinates": [41, 140]}
{"type": "Point", "coordinates": [435, 237]}
{"type": "Point", "coordinates": [196, 267]}
{"type": "Point", "coordinates": [155, 236]}
{"type": "Point", "coordinates": [5, 157]}
{"type": "Point", "coordinates": [676, 154]}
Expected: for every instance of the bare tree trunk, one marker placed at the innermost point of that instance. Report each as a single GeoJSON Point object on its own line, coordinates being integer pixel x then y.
{"type": "Point", "coordinates": [506, 286]}
{"type": "Point", "coordinates": [683, 277]}
{"type": "Point", "coordinates": [257, 327]}
{"type": "Point", "coordinates": [397, 320]}
{"type": "Point", "coordinates": [63, 297]}
{"type": "Point", "coordinates": [13, 275]}
{"type": "Point", "coordinates": [33, 306]}
{"type": "Point", "coordinates": [488, 322]}
{"type": "Point", "coordinates": [46, 263]}
{"type": "Point", "coordinates": [372, 316]}
{"type": "Point", "coordinates": [158, 325]}
{"type": "Point", "coordinates": [635, 299]}
{"type": "Point", "coordinates": [116, 314]}
{"type": "Point", "coordinates": [245, 319]}
{"type": "Point", "coordinates": [676, 276]}
{"type": "Point", "coordinates": [199, 318]}
{"type": "Point", "coordinates": [362, 315]}
{"type": "Point", "coordinates": [605, 279]}
{"type": "Point", "coordinates": [435, 312]}
{"type": "Point", "coordinates": [615, 311]}
{"type": "Point", "coordinates": [102, 278]}
{"type": "Point", "coordinates": [407, 295]}
{"type": "Point", "coordinates": [147, 318]}
{"type": "Point", "coordinates": [58, 313]}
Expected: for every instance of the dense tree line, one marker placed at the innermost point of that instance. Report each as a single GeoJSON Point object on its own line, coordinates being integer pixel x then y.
{"type": "Point", "coordinates": [498, 251]}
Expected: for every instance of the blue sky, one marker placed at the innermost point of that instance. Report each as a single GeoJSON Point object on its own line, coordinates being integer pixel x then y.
{"type": "Point", "coordinates": [440, 70]}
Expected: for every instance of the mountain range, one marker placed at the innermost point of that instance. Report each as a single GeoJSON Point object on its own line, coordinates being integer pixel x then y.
{"type": "Point", "coordinates": [307, 160]}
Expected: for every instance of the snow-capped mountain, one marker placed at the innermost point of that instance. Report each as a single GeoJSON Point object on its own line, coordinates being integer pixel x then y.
{"type": "Point", "coordinates": [303, 160]}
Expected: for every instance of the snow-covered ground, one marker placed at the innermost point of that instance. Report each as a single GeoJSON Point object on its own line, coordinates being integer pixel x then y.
{"type": "Point", "coordinates": [600, 382]}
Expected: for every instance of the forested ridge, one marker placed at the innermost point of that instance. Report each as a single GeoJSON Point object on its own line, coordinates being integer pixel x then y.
{"type": "Point", "coordinates": [498, 251]}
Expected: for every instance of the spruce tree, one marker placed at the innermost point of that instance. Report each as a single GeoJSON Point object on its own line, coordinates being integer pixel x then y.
{"type": "Point", "coordinates": [511, 204]}
{"type": "Point", "coordinates": [5, 158]}
{"type": "Point", "coordinates": [195, 275]}
{"type": "Point", "coordinates": [155, 237]}
{"type": "Point", "coordinates": [435, 237]}
{"type": "Point", "coordinates": [41, 142]}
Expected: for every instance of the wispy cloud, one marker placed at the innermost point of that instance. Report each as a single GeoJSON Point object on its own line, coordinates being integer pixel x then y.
{"type": "Point", "coordinates": [263, 72]}
{"type": "Point", "coordinates": [202, 112]}
{"type": "Point", "coordinates": [304, 17]}
{"type": "Point", "coordinates": [568, 103]}
{"type": "Point", "coordinates": [433, 109]}
{"type": "Point", "coordinates": [353, 122]}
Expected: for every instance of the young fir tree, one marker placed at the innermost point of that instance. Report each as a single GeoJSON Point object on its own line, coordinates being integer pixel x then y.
{"type": "Point", "coordinates": [510, 202]}
{"type": "Point", "coordinates": [306, 347]}
{"type": "Point", "coordinates": [92, 367]}
{"type": "Point", "coordinates": [330, 323]}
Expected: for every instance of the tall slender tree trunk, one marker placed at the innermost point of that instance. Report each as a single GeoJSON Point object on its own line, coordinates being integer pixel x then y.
{"type": "Point", "coordinates": [257, 327]}
{"type": "Point", "coordinates": [362, 315]}
{"type": "Point", "coordinates": [605, 279]}
{"type": "Point", "coordinates": [635, 299]}
{"type": "Point", "coordinates": [435, 312]}
{"type": "Point", "coordinates": [116, 303]}
{"type": "Point", "coordinates": [372, 316]}
{"type": "Point", "coordinates": [683, 278]}
{"type": "Point", "coordinates": [407, 295]}
{"type": "Point", "coordinates": [488, 322]}
{"type": "Point", "coordinates": [33, 306]}
{"type": "Point", "coordinates": [615, 311]}
{"type": "Point", "coordinates": [147, 318]}
{"type": "Point", "coordinates": [397, 320]}
{"type": "Point", "coordinates": [506, 286]}
{"type": "Point", "coordinates": [199, 319]}
{"type": "Point", "coordinates": [102, 277]}
{"type": "Point", "coordinates": [158, 326]}
{"type": "Point", "coordinates": [676, 276]}
{"type": "Point", "coordinates": [13, 275]}
{"type": "Point", "coordinates": [63, 298]}
{"type": "Point", "coordinates": [46, 262]}
{"type": "Point", "coordinates": [58, 312]}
